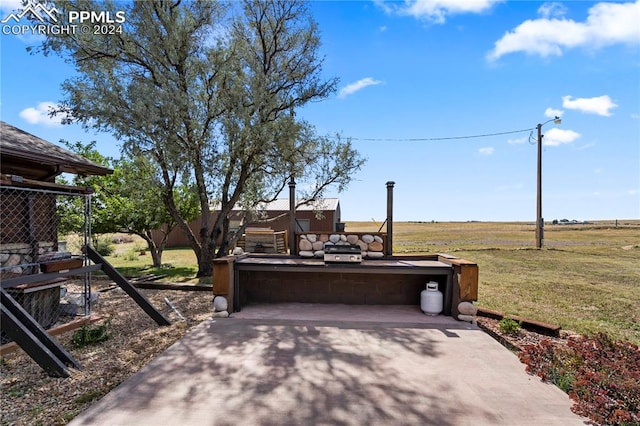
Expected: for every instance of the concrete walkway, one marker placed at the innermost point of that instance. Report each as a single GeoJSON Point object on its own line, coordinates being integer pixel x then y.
{"type": "Point", "coordinates": [299, 364]}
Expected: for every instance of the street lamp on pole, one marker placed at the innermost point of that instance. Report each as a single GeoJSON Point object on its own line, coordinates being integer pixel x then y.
{"type": "Point", "coordinates": [539, 219]}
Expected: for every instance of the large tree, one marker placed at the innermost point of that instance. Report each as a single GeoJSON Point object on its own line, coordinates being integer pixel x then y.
{"type": "Point", "coordinates": [129, 200]}
{"type": "Point", "coordinates": [209, 94]}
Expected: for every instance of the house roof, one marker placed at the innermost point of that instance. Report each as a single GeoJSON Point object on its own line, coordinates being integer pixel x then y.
{"type": "Point", "coordinates": [27, 155]}
{"type": "Point", "coordinates": [282, 204]}
{"type": "Point", "coordinates": [325, 204]}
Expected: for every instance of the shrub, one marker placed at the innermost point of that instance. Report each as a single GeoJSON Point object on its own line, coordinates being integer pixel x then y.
{"type": "Point", "coordinates": [103, 245]}
{"type": "Point", "coordinates": [87, 335]}
{"type": "Point", "coordinates": [509, 325]}
{"type": "Point", "coordinates": [601, 376]}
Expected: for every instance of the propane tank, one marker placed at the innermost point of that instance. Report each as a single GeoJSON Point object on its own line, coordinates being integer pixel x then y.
{"type": "Point", "coordinates": [431, 299]}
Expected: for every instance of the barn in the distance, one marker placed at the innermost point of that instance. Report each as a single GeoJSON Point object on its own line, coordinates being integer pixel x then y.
{"type": "Point", "coordinates": [320, 216]}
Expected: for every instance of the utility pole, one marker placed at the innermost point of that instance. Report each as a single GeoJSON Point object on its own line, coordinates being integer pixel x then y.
{"type": "Point", "coordinates": [539, 219]}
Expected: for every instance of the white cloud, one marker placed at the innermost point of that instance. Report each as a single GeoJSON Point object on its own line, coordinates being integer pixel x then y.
{"type": "Point", "coordinates": [352, 88]}
{"type": "Point", "coordinates": [40, 114]}
{"type": "Point", "coordinates": [556, 137]}
{"type": "Point", "coordinates": [548, 10]}
{"type": "Point", "coordinates": [586, 146]}
{"type": "Point", "coordinates": [553, 113]}
{"type": "Point", "coordinates": [436, 11]}
{"type": "Point", "coordinates": [600, 105]}
{"type": "Point", "coordinates": [607, 24]}
{"type": "Point", "coordinates": [517, 141]}
{"type": "Point", "coordinates": [487, 150]}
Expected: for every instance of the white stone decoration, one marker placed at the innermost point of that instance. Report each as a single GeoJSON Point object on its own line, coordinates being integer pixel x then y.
{"type": "Point", "coordinates": [305, 245]}
{"type": "Point", "coordinates": [467, 318]}
{"type": "Point", "coordinates": [220, 303]}
{"type": "Point", "coordinates": [352, 239]}
{"type": "Point", "coordinates": [343, 238]}
{"type": "Point", "coordinates": [221, 314]}
{"type": "Point", "coordinates": [312, 237]}
{"type": "Point", "coordinates": [306, 253]}
{"type": "Point", "coordinates": [318, 253]}
{"type": "Point", "coordinates": [367, 238]}
{"type": "Point", "coordinates": [334, 238]}
{"type": "Point", "coordinates": [375, 254]}
{"type": "Point", "coordinates": [363, 246]}
{"type": "Point", "coordinates": [377, 239]}
{"type": "Point", "coordinates": [467, 308]}
{"type": "Point", "coordinates": [238, 251]}
{"type": "Point", "coordinates": [317, 245]}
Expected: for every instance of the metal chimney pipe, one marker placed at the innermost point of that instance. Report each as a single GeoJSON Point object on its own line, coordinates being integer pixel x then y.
{"type": "Point", "coordinates": [292, 217]}
{"type": "Point", "coordinates": [389, 247]}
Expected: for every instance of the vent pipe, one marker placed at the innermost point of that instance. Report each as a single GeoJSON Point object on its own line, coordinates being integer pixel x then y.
{"type": "Point", "coordinates": [389, 246]}
{"type": "Point", "coordinates": [292, 217]}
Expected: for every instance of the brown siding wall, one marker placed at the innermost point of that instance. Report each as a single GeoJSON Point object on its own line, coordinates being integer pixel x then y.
{"type": "Point", "coordinates": [177, 238]}
{"type": "Point", "coordinates": [353, 288]}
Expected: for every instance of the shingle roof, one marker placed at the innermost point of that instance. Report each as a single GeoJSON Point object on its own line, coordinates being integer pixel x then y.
{"type": "Point", "coordinates": [282, 204]}
{"type": "Point", "coordinates": [18, 144]}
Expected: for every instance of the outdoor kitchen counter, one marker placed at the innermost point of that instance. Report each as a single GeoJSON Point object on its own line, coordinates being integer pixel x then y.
{"type": "Point", "coordinates": [390, 265]}
{"type": "Point", "coordinates": [276, 279]}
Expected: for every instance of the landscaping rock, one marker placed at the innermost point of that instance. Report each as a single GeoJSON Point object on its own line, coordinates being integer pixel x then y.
{"type": "Point", "coordinates": [334, 238]}
{"type": "Point", "coordinates": [317, 245]}
{"type": "Point", "coordinates": [368, 238]}
{"type": "Point", "coordinates": [467, 308]}
{"type": "Point", "coordinates": [305, 245]}
{"type": "Point", "coordinates": [221, 314]}
{"type": "Point", "coordinates": [306, 253]}
{"type": "Point", "coordinates": [375, 246]}
{"type": "Point", "coordinates": [352, 239]}
{"type": "Point", "coordinates": [220, 304]}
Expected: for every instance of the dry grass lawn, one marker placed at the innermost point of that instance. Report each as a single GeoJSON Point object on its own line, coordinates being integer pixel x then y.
{"type": "Point", "coordinates": [586, 279]}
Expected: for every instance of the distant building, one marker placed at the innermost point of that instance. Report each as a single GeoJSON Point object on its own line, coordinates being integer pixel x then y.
{"type": "Point", "coordinates": [320, 216]}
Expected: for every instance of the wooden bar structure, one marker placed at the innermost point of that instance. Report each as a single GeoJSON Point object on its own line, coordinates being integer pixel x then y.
{"type": "Point", "coordinates": [255, 278]}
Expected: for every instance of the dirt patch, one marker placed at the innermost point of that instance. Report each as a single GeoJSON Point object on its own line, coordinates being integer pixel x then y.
{"type": "Point", "coordinates": [519, 340]}
{"type": "Point", "coordinates": [29, 396]}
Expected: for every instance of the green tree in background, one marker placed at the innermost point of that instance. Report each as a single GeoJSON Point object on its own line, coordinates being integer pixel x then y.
{"type": "Point", "coordinates": [207, 91]}
{"type": "Point", "coordinates": [129, 201]}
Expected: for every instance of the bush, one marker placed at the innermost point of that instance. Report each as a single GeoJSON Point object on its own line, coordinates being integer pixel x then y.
{"type": "Point", "coordinates": [87, 335]}
{"type": "Point", "coordinates": [601, 376]}
{"type": "Point", "coordinates": [509, 325]}
{"type": "Point", "coordinates": [103, 245]}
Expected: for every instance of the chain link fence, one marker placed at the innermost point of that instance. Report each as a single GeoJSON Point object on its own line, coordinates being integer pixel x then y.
{"type": "Point", "coordinates": [41, 237]}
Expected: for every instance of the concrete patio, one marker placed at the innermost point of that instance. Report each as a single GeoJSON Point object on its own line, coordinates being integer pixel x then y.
{"type": "Point", "coordinates": [303, 364]}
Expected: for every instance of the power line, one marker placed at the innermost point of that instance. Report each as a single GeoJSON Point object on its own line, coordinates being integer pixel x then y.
{"type": "Point", "coordinates": [440, 139]}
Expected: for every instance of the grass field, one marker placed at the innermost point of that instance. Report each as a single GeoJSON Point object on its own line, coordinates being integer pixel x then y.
{"type": "Point", "coordinates": [586, 279]}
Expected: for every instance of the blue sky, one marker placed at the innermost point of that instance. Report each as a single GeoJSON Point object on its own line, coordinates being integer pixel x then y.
{"type": "Point", "coordinates": [414, 76]}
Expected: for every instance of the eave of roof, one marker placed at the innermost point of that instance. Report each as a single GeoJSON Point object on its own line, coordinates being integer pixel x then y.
{"type": "Point", "coordinates": [16, 144]}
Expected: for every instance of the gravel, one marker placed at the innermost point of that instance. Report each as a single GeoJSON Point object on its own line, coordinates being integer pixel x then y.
{"type": "Point", "coordinates": [29, 396]}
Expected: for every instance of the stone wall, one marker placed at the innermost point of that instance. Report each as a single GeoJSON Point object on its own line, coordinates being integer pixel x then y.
{"type": "Point", "coordinates": [18, 258]}
{"type": "Point", "coordinates": [371, 244]}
